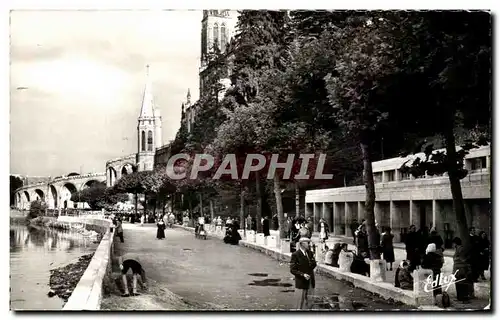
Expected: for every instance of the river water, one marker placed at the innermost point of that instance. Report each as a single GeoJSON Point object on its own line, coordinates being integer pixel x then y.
{"type": "Point", "coordinates": [34, 252]}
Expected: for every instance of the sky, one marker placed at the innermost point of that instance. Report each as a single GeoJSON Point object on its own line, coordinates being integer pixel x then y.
{"type": "Point", "coordinates": [77, 79]}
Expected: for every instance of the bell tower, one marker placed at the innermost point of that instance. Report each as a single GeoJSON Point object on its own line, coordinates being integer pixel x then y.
{"type": "Point", "coordinates": [149, 130]}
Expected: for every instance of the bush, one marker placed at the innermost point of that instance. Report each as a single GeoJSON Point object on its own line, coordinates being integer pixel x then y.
{"type": "Point", "coordinates": [37, 208]}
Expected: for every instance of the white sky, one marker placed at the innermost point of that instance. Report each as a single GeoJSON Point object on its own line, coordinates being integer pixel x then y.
{"type": "Point", "coordinates": [84, 73]}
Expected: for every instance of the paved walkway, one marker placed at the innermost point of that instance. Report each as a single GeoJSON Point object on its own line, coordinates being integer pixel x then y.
{"type": "Point", "coordinates": [208, 274]}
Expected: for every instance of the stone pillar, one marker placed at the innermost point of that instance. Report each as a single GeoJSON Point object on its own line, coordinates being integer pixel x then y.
{"type": "Point", "coordinates": [361, 211]}
{"type": "Point", "coordinates": [377, 270]}
{"type": "Point", "coordinates": [434, 209]}
{"type": "Point", "coordinates": [336, 218]}
{"type": "Point", "coordinates": [414, 213]}
{"type": "Point", "coordinates": [347, 218]}
{"type": "Point", "coordinates": [329, 215]}
{"type": "Point", "coordinates": [395, 223]}
{"type": "Point", "coordinates": [378, 213]}
{"type": "Point", "coordinates": [309, 207]}
{"type": "Point", "coordinates": [317, 215]}
{"type": "Point", "coordinates": [384, 176]}
{"type": "Point", "coordinates": [421, 288]}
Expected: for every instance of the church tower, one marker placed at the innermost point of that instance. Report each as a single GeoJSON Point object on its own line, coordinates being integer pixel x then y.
{"type": "Point", "coordinates": [149, 129]}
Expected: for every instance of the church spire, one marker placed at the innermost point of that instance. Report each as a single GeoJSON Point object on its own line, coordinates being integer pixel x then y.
{"type": "Point", "coordinates": [147, 109]}
{"type": "Point", "coordinates": [189, 97]}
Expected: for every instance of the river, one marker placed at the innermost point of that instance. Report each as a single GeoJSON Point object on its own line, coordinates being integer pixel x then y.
{"type": "Point", "coordinates": [34, 252]}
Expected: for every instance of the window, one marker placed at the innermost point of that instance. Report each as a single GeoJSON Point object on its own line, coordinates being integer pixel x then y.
{"type": "Point", "coordinates": [150, 140]}
{"type": "Point", "coordinates": [143, 141]}
{"type": "Point", "coordinates": [223, 39]}
{"type": "Point", "coordinates": [216, 35]}
{"type": "Point", "coordinates": [478, 163]}
{"type": "Point", "coordinates": [405, 176]}
{"type": "Point", "coordinates": [377, 177]}
{"type": "Point", "coordinates": [389, 175]}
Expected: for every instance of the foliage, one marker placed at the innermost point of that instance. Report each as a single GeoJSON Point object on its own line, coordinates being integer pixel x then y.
{"type": "Point", "coordinates": [15, 183]}
{"type": "Point", "coordinates": [37, 208]}
{"type": "Point", "coordinates": [98, 196]}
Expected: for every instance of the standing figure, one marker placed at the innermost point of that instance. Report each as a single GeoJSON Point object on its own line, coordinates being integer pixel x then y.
{"type": "Point", "coordinates": [160, 233]}
{"type": "Point", "coordinates": [265, 226]}
{"type": "Point", "coordinates": [119, 229]}
{"type": "Point", "coordinates": [143, 218]}
{"type": "Point", "coordinates": [484, 254]}
{"type": "Point", "coordinates": [434, 260]}
{"type": "Point", "coordinates": [354, 226]}
{"type": "Point", "coordinates": [362, 241]}
{"type": "Point", "coordinates": [474, 256]}
{"type": "Point", "coordinates": [323, 230]}
{"type": "Point", "coordinates": [388, 248]}
{"type": "Point", "coordinates": [412, 248]}
{"type": "Point", "coordinates": [130, 261]}
{"type": "Point", "coordinates": [302, 264]}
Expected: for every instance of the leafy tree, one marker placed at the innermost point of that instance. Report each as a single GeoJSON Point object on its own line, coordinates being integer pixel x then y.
{"type": "Point", "coordinates": [37, 208]}
{"type": "Point", "coordinates": [98, 196]}
{"type": "Point", "coordinates": [15, 183]}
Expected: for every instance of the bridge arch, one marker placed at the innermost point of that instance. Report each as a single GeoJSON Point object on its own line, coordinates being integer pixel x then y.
{"type": "Point", "coordinates": [40, 194]}
{"type": "Point", "coordinates": [128, 168]}
{"type": "Point", "coordinates": [89, 184]}
{"type": "Point", "coordinates": [111, 176]}
{"type": "Point", "coordinates": [67, 189]}
{"type": "Point", "coordinates": [27, 196]}
{"type": "Point", "coordinates": [54, 196]}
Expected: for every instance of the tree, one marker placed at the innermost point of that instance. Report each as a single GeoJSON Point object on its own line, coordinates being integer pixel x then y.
{"type": "Point", "coordinates": [98, 196]}
{"type": "Point", "coordinates": [449, 65]}
{"type": "Point", "coordinates": [37, 208]}
{"type": "Point", "coordinates": [363, 64]}
{"type": "Point", "coordinates": [15, 183]}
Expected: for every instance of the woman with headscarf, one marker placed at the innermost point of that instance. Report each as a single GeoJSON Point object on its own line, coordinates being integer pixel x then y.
{"type": "Point", "coordinates": [323, 230]}
{"type": "Point", "coordinates": [434, 260]}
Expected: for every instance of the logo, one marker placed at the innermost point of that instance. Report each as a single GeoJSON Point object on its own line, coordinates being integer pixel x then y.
{"type": "Point", "coordinates": [441, 281]}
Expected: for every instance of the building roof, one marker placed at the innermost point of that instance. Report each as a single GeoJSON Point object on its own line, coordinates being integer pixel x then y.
{"type": "Point", "coordinates": [147, 108]}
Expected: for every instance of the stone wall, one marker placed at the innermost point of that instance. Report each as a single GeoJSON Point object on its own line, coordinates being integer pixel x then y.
{"type": "Point", "coordinates": [88, 292]}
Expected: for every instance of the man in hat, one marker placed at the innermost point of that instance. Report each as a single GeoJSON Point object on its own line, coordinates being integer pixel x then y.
{"type": "Point", "coordinates": [302, 266]}
{"type": "Point", "coordinates": [130, 261]}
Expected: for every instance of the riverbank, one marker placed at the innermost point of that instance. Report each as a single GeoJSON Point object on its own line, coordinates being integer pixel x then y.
{"type": "Point", "coordinates": [63, 280]}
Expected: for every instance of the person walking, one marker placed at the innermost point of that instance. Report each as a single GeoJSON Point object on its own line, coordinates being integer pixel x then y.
{"type": "Point", "coordinates": [302, 265]}
{"type": "Point", "coordinates": [143, 218]}
{"type": "Point", "coordinates": [130, 261]}
{"type": "Point", "coordinates": [484, 254]}
{"type": "Point", "coordinates": [160, 231]}
{"type": "Point", "coordinates": [387, 248]}
{"type": "Point", "coordinates": [119, 229]}
{"type": "Point", "coordinates": [434, 261]}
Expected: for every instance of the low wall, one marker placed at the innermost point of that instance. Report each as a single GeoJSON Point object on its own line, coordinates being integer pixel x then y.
{"type": "Point", "coordinates": [88, 292]}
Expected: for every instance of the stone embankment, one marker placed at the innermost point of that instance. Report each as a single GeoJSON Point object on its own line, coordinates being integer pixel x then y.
{"type": "Point", "coordinates": [64, 280]}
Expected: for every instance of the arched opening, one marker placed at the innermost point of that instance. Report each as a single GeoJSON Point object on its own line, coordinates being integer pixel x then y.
{"type": "Point", "coordinates": [111, 176]}
{"type": "Point", "coordinates": [89, 184]}
{"type": "Point", "coordinates": [73, 174]}
{"type": "Point", "coordinates": [216, 35]}
{"type": "Point", "coordinates": [27, 196]}
{"type": "Point", "coordinates": [124, 171]}
{"type": "Point", "coordinates": [143, 141]}
{"type": "Point", "coordinates": [150, 140]}
{"type": "Point", "coordinates": [66, 191]}
{"type": "Point", "coordinates": [223, 38]}
{"type": "Point", "coordinates": [39, 195]}
{"type": "Point", "coordinates": [53, 192]}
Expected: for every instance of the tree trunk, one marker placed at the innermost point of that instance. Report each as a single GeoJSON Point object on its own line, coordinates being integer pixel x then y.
{"type": "Point", "coordinates": [373, 241]}
{"type": "Point", "coordinates": [456, 189]}
{"type": "Point", "coordinates": [211, 210]}
{"type": "Point", "coordinates": [136, 202]}
{"type": "Point", "coordinates": [297, 200]}
{"type": "Point", "coordinates": [201, 203]}
{"type": "Point", "coordinates": [258, 190]}
{"type": "Point", "coordinates": [154, 208]}
{"type": "Point", "coordinates": [242, 207]}
{"type": "Point", "coordinates": [163, 205]}
{"type": "Point", "coordinates": [279, 206]}
{"type": "Point", "coordinates": [190, 208]}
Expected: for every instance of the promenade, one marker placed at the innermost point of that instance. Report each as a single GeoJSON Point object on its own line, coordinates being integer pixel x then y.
{"type": "Point", "coordinates": [185, 273]}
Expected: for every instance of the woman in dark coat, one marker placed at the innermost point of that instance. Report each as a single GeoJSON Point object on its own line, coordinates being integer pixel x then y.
{"type": "Point", "coordinates": [265, 226]}
{"type": "Point", "coordinates": [484, 253]}
{"type": "Point", "coordinates": [436, 239]}
{"type": "Point", "coordinates": [362, 241]}
{"type": "Point", "coordinates": [160, 232]}
{"type": "Point", "coordinates": [387, 248]}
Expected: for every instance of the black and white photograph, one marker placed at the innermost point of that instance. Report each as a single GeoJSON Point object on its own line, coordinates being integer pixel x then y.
{"type": "Point", "coordinates": [251, 160]}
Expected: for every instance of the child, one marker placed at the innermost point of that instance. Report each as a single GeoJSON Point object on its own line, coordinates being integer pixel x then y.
{"type": "Point", "coordinates": [403, 278]}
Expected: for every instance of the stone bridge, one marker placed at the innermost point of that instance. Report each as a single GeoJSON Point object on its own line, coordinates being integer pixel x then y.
{"type": "Point", "coordinates": [118, 167]}
{"type": "Point", "coordinates": [57, 192]}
